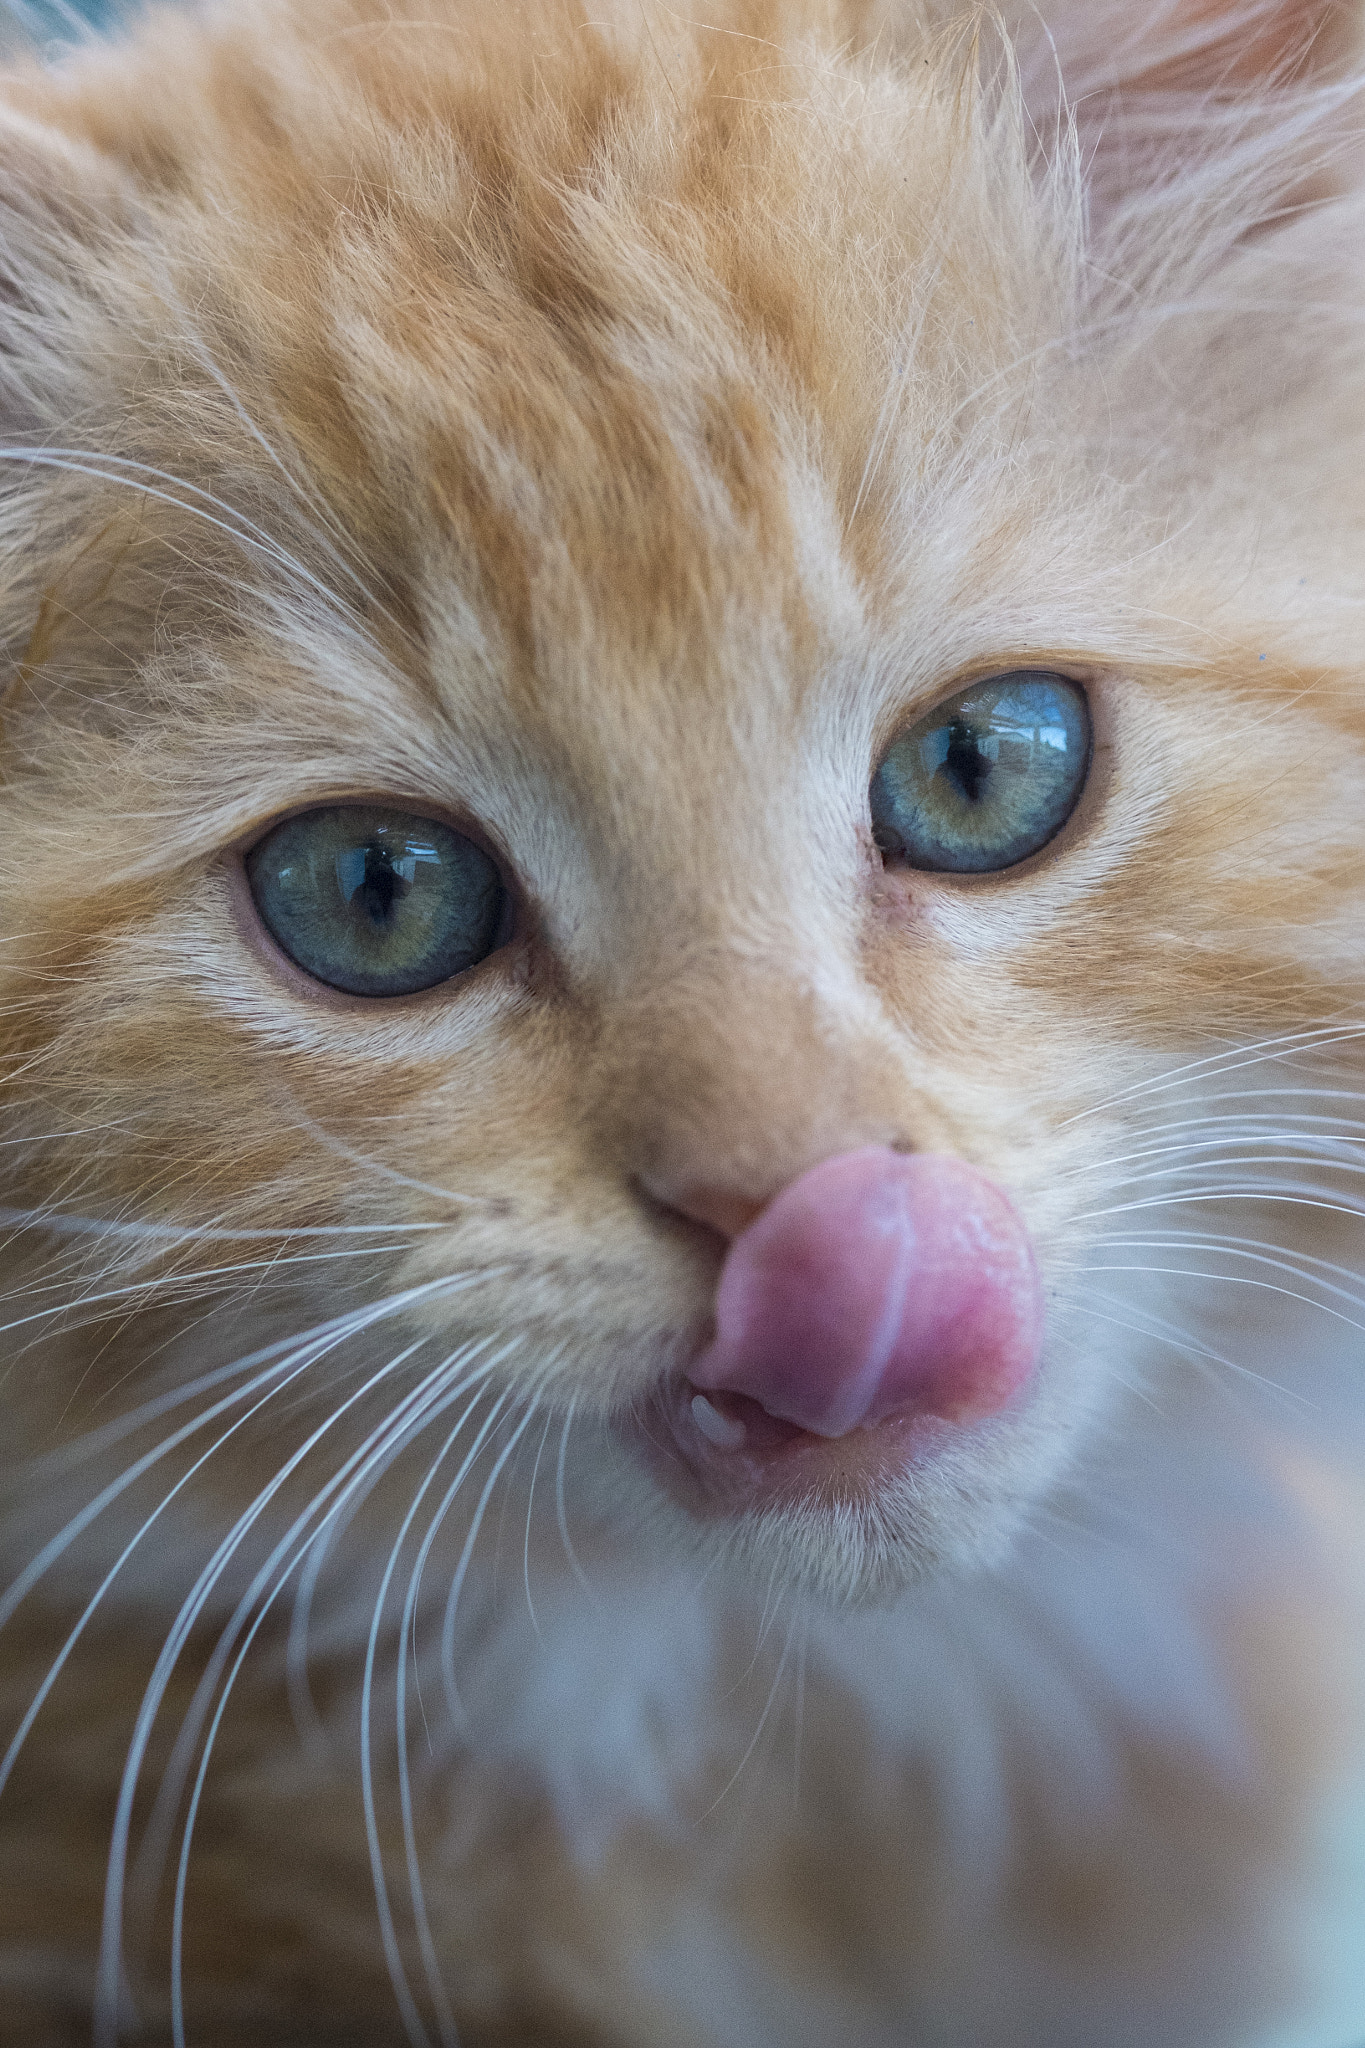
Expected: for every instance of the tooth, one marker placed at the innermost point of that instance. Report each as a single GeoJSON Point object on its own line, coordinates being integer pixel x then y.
{"type": "Point", "coordinates": [715, 1427]}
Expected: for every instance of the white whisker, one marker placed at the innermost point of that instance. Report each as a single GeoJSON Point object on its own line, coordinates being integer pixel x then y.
{"type": "Point", "coordinates": [10, 1757]}
{"type": "Point", "coordinates": [738, 1771]}
{"type": "Point", "coordinates": [412, 2022]}
{"type": "Point", "coordinates": [373, 1456]}
{"type": "Point", "coordinates": [1172, 1336]}
{"type": "Point", "coordinates": [431, 1395]}
{"type": "Point", "coordinates": [561, 1513]}
{"type": "Point", "coordinates": [59, 1222]}
{"type": "Point", "coordinates": [1283, 1193]}
{"type": "Point", "coordinates": [407, 1638]}
{"type": "Point", "coordinates": [526, 1545]}
{"type": "Point", "coordinates": [1232, 1248]}
{"type": "Point", "coordinates": [1235, 1280]}
{"type": "Point", "coordinates": [326, 1336]}
{"type": "Point", "coordinates": [109, 1970]}
{"type": "Point", "coordinates": [799, 1719]}
{"type": "Point", "coordinates": [462, 1567]}
{"type": "Point", "coordinates": [324, 524]}
{"type": "Point", "coordinates": [147, 481]}
{"type": "Point", "coordinates": [142, 1288]}
{"type": "Point", "coordinates": [1316, 1038]}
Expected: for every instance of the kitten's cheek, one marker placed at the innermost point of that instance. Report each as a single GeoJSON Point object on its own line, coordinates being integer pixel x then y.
{"type": "Point", "coordinates": [876, 1306]}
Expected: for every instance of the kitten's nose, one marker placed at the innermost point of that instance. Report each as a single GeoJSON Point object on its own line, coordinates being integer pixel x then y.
{"type": "Point", "coordinates": [878, 1283]}
{"type": "Point", "coordinates": [719, 1208]}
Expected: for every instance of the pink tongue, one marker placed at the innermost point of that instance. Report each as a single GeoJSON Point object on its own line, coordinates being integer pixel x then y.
{"type": "Point", "coordinates": [878, 1283]}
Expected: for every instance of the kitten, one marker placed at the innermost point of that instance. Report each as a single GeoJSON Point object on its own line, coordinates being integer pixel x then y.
{"type": "Point", "coordinates": [683, 758]}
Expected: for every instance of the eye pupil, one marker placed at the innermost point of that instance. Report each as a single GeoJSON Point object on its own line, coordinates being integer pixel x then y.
{"type": "Point", "coordinates": [966, 764]}
{"type": "Point", "coordinates": [381, 887]}
{"type": "Point", "coordinates": [377, 886]}
{"type": "Point", "coordinates": [987, 778]}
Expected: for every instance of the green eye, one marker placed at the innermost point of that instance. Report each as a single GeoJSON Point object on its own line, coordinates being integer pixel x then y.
{"type": "Point", "coordinates": [987, 778]}
{"type": "Point", "coordinates": [376, 902]}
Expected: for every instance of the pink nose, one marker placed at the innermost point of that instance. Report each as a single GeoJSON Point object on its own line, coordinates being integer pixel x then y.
{"type": "Point", "coordinates": [878, 1284]}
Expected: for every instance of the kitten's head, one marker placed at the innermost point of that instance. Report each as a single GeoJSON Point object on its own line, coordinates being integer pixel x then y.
{"type": "Point", "coordinates": [641, 664]}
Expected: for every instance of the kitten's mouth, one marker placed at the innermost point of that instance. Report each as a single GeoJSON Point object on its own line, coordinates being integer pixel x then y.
{"type": "Point", "coordinates": [722, 1453]}
{"type": "Point", "coordinates": [878, 1309]}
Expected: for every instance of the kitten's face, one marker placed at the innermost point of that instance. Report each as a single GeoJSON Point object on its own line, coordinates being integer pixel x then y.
{"type": "Point", "coordinates": [636, 499]}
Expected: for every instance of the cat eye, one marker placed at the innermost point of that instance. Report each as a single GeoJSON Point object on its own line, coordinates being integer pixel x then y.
{"type": "Point", "coordinates": [376, 902]}
{"type": "Point", "coordinates": [987, 778]}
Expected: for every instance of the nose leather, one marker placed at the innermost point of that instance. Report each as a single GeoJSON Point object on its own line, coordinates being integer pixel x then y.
{"type": "Point", "coordinates": [719, 1208]}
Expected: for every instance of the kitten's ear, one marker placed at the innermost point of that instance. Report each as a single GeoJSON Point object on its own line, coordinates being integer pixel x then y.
{"type": "Point", "coordinates": [1218, 46]}
{"type": "Point", "coordinates": [59, 192]}
{"type": "Point", "coordinates": [1169, 86]}
{"type": "Point", "coordinates": [65, 207]}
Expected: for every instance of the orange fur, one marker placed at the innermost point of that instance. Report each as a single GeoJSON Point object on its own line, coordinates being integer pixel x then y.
{"type": "Point", "coordinates": [606, 430]}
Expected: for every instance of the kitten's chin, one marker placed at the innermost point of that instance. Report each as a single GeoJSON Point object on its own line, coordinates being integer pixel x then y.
{"type": "Point", "coordinates": [857, 1517]}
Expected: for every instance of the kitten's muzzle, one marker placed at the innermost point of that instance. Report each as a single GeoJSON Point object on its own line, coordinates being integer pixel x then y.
{"type": "Point", "coordinates": [876, 1289]}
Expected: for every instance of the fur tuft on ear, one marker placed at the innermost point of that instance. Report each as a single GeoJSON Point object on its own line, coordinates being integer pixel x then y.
{"type": "Point", "coordinates": [55, 186]}
{"type": "Point", "coordinates": [65, 211]}
{"type": "Point", "coordinates": [1212, 47]}
{"type": "Point", "coordinates": [1159, 95]}
{"type": "Point", "coordinates": [70, 271]}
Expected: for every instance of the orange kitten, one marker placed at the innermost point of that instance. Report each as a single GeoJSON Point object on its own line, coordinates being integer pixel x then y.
{"type": "Point", "coordinates": [683, 953]}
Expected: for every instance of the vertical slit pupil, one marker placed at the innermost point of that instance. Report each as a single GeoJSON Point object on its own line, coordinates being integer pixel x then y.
{"type": "Point", "coordinates": [381, 886]}
{"type": "Point", "coordinates": [965, 762]}
{"type": "Point", "coordinates": [370, 882]}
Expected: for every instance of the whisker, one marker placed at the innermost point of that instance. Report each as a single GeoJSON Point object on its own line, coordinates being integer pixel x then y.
{"type": "Point", "coordinates": [352, 1480]}
{"type": "Point", "coordinates": [379, 1167]}
{"type": "Point", "coordinates": [1283, 1193]}
{"type": "Point", "coordinates": [134, 475]}
{"type": "Point", "coordinates": [303, 1708]}
{"type": "Point", "coordinates": [140, 1289]}
{"type": "Point", "coordinates": [462, 1567]}
{"type": "Point", "coordinates": [738, 1771]}
{"type": "Point", "coordinates": [61, 1222]}
{"type": "Point", "coordinates": [327, 1336]}
{"type": "Point", "coordinates": [1234, 1248]}
{"type": "Point", "coordinates": [412, 2021]}
{"type": "Point", "coordinates": [1235, 1280]}
{"type": "Point", "coordinates": [561, 1514]}
{"type": "Point", "coordinates": [11, 1755]}
{"type": "Point", "coordinates": [1282, 1046]}
{"type": "Point", "coordinates": [1254, 1131]}
{"type": "Point", "coordinates": [1221, 1238]}
{"type": "Point", "coordinates": [316, 507]}
{"type": "Point", "coordinates": [416, 1890]}
{"type": "Point", "coordinates": [526, 1546]}
{"type": "Point", "coordinates": [407, 1636]}
{"type": "Point", "coordinates": [799, 1718]}
{"type": "Point", "coordinates": [109, 1967]}
{"type": "Point", "coordinates": [1174, 1337]}
{"type": "Point", "coordinates": [372, 1457]}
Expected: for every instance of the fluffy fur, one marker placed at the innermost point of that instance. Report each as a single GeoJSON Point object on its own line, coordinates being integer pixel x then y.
{"type": "Point", "coordinates": [607, 429]}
